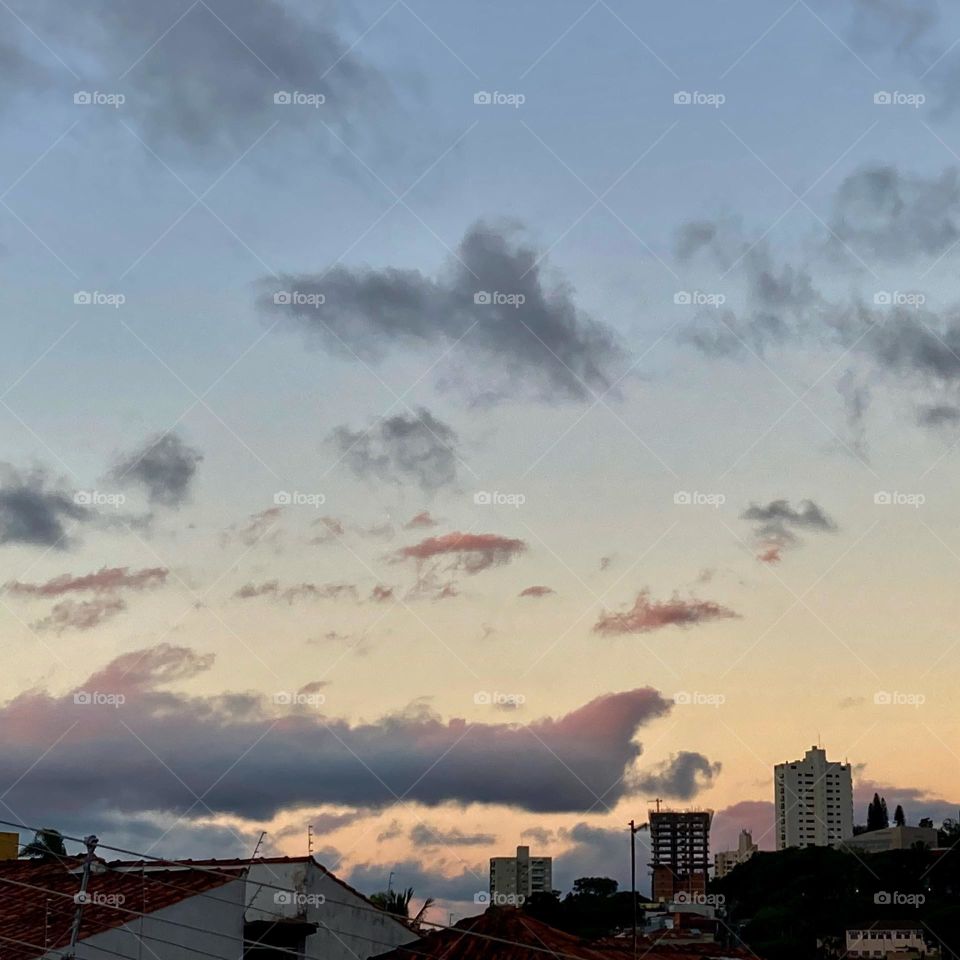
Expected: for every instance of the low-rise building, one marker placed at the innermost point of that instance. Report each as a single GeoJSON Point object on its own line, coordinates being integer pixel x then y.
{"type": "Point", "coordinates": [891, 838]}
{"type": "Point", "coordinates": [886, 940]}
{"type": "Point", "coordinates": [513, 879]}
{"type": "Point", "coordinates": [725, 860]}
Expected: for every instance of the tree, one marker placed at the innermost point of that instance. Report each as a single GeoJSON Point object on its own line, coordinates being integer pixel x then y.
{"type": "Point", "coordinates": [595, 887]}
{"type": "Point", "coordinates": [877, 816]}
{"type": "Point", "coordinates": [397, 902]}
{"type": "Point", "coordinates": [899, 817]}
{"type": "Point", "coordinates": [47, 843]}
{"type": "Point", "coordinates": [926, 823]}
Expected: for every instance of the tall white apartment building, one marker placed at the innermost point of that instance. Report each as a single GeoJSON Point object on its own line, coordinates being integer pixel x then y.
{"type": "Point", "coordinates": [814, 801]}
{"type": "Point", "coordinates": [513, 879]}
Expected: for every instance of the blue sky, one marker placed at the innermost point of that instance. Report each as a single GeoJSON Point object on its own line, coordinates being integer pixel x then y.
{"type": "Point", "coordinates": [697, 490]}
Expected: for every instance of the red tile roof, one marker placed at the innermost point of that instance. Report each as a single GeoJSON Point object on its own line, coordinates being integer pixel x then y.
{"type": "Point", "coordinates": [37, 906]}
{"type": "Point", "coordinates": [506, 933]}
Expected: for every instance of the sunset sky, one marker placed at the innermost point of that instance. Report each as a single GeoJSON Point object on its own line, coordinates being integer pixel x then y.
{"type": "Point", "coordinates": [454, 426]}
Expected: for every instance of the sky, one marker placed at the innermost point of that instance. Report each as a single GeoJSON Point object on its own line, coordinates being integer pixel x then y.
{"type": "Point", "coordinates": [453, 426]}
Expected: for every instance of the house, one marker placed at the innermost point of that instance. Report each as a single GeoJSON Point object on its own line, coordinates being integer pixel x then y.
{"type": "Point", "coordinates": [267, 908]}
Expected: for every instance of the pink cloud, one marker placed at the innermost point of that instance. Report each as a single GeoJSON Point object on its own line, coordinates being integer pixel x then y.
{"type": "Point", "coordinates": [647, 615]}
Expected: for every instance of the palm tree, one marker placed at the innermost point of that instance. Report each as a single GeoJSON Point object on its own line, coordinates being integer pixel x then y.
{"type": "Point", "coordinates": [47, 843]}
{"type": "Point", "coordinates": [397, 902]}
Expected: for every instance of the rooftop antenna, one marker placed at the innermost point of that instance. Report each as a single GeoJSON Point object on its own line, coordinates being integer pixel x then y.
{"type": "Point", "coordinates": [657, 801]}
{"type": "Point", "coordinates": [256, 849]}
{"type": "Point", "coordinates": [309, 839]}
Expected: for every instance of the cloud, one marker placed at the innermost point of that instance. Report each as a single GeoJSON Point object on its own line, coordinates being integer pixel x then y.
{"type": "Point", "coordinates": [776, 523]}
{"type": "Point", "coordinates": [381, 593]}
{"type": "Point", "coordinates": [536, 344]}
{"type": "Point", "coordinates": [203, 78]}
{"type": "Point", "coordinates": [538, 835]}
{"type": "Point", "coordinates": [81, 614]}
{"type": "Point", "coordinates": [423, 835]}
{"type": "Point", "coordinates": [420, 520]}
{"type": "Point", "coordinates": [104, 580]}
{"type": "Point", "coordinates": [419, 447]}
{"type": "Point", "coordinates": [536, 591]}
{"type": "Point", "coordinates": [299, 758]}
{"type": "Point", "coordinates": [262, 527]}
{"type": "Point", "coordinates": [165, 467]}
{"type": "Point", "coordinates": [882, 213]}
{"type": "Point", "coordinates": [297, 592]}
{"type": "Point", "coordinates": [471, 552]}
{"type": "Point", "coordinates": [856, 401]}
{"type": "Point", "coordinates": [646, 615]}
{"type": "Point", "coordinates": [683, 776]}
{"type": "Point", "coordinates": [33, 510]}
{"type": "Point", "coordinates": [757, 816]}
{"type": "Point", "coordinates": [938, 415]}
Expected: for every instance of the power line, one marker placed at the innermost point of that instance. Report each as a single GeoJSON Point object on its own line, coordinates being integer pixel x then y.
{"type": "Point", "coordinates": [243, 865]}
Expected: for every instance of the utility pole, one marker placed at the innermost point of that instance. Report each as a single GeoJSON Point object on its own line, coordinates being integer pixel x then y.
{"type": "Point", "coordinates": [80, 898]}
{"type": "Point", "coordinates": [633, 881]}
{"type": "Point", "coordinates": [633, 876]}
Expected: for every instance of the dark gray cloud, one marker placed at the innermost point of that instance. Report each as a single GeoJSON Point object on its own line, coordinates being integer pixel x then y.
{"type": "Point", "coordinates": [36, 510]}
{"type": "Point", "coordinates": [164, 467]}
{"type": "Point", "coordinates": [537, 343]}
{"type": "Point", "coordinates": [425, 835]}
{"type": "Point", "coordinates": [938, 415]}
{"type": "Point", "coordinates": [777, 520]}
{"type": "Point", "coordinates": [418, 447]}
{"type": "Point", "coordinates": [881, 213]}
{"type": "Point", "coordinates": [206, 80]}
{"type": "Point", "coordinates": [776, 524]}
{"type": "Point", "coordinates": [683, 776]}
{"type": "Point", "coordinates": [301, 757]}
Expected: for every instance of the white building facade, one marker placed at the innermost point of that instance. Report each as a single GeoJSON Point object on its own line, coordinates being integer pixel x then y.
{"type": "Point", "coordinates": [814, 801]}
{"type": "Point", "coordinates": [513, 879]}
{"type": "Point", "coordinates": [725, 860]}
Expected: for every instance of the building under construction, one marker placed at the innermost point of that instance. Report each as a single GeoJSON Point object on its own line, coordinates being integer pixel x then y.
{"type": "Point", "coordinates": [680, 852]}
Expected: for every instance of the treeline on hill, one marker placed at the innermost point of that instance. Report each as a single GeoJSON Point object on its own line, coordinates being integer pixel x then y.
{"type": "Point", "coordinates": [594, 908]}
{"type": "Point", "coordinates": [797, 903]}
